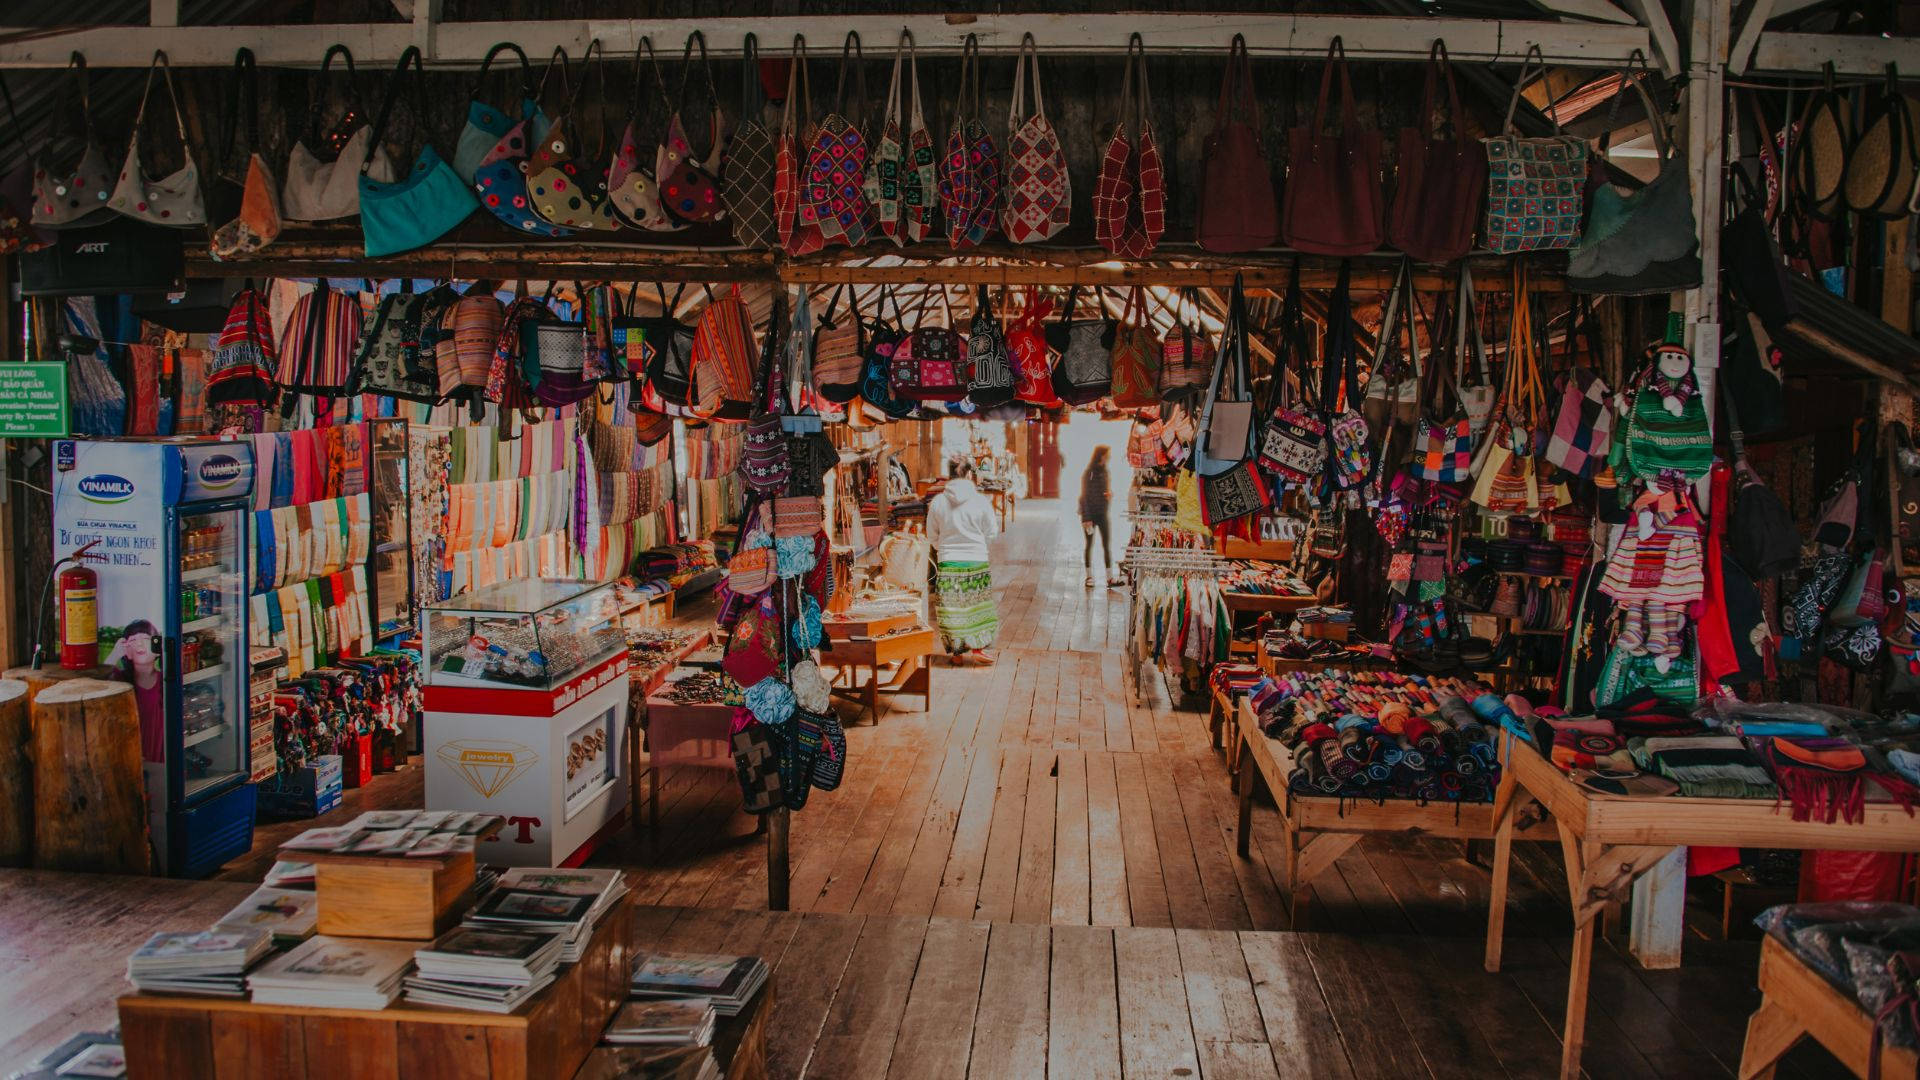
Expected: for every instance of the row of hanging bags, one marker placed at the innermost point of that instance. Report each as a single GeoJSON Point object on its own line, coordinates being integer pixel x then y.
{"type": "Point", "coordinates": [1231, 487]}
{"type": "Point", "coordinates": [1130, 196]}
{"type": "Point", "coordinates": [1509, 475]}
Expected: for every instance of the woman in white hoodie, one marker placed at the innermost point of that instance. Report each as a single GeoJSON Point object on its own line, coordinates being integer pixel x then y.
{"type": "Point", "coordinates": [960, 524]}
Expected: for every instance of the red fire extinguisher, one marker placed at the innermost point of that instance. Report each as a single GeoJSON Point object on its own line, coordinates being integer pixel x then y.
{"type": "Point", "coordinates": [78, 612]}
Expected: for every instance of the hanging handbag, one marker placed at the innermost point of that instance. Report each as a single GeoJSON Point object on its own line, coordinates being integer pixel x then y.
{"type": "Point", "coordinates": [1237, 210]}
{"type": "Point", "coordinates": [1535, 186]}
{"type": "Point", "coordinates": [1582, 434]}
{"type": "Point", "coordinates": [1393, 376]}
{"type": "Point", "coordinates": [756, 761]}
{"type": "Point", "coordinates": [1039, 192]}
{"type": "Point", "coordinates": [429, 201]}
{"type": "Point", "coordinates": [1225, 433]}
{"type": "Point", "coordinates": [970, 173]}
{"type": "Point", "coordinates": [324, 169]}
{"type": "Point", "coordinates": [839, 350]}
{"type": "Point", "coordinates": [820, 735]}
{"type": "Point", "coordinates": [175, 199]}
{"type": "Point", "coordinates": [722, 360]}
{"type": "Point", "coordinates": [689, 190]}
{"type": "Point", "coordinates": [1642, 242]}
{"type": "Point", "coordinates": [1862, 600]}
{"type": "Point", "coordinates": [1349, 452]}
{"type": "Point", "coordinates": [833, 199]}
{"type": "Point", "coordinates": [244, 360]}
{"type": "Point", "coordinates": [1028, 353]}
{"type": "Point", "coordinates": [71, 183]}
{"type": "Point", "coordinates": [1506, 472]}
{"type": "Point", "coordinates": [1084, 372]}
{"type": "Point", "coordinates": [1440, 178]}
{"type": "Point", "coordinates": [1130, 197]}
{"type": "Point", "coordinates": [746, 168]}
{"type": "Point", "coordinates": [1293, 442]}
{"type": "Point", "coordinates": [316, 351]}
{"type": "Point", "coordinates": [1186, 356]}
{"type": "Point", "coordinates": [498, 171]}
{"type": "Point", "coordinates": [884, 339]}
{"type": "Point", "coordinates": [243, 205]}
{"type": "Point", "coordinates": [1442, 449]}
{"type": "Point", "coordinates": [1135, 355]}
{"type": "Point", "coordinates": [796, 134]}
{"type": "Point", "coordinates": [1332, 197]}
{"type": "Point", "coordinates": [901, 183]}
{"type": "Point", "coordinates": [633, 186]}
{"type": "Point", "coordinates": [390, 360]}
{"type": "Point", "coordinates": [1878, 181]}
{"type": "Point", "coordinates": [567, 177]}
{"type": "Point", "coordinates": [765, 465]}
{"type": "Point", "coordinates": [989, 360]}
{"type": "Point", "coordinates": [932, 364]}
{"type": "Point", "coordinates": [1471, 354]}
{"type": "Point", "coordinates": [669, 370]}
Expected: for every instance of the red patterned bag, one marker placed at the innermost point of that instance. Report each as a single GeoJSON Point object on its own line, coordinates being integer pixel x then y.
{"type": "Point", "coordinates": [1130, 198]}
{"type": "Point", "coordinates": [723, 358]}
{"type": "Point", "coordinates": [1027, 351]}
{"type": "Point", "coordinates": [833, 196]}
{"type": "Point", "coordinates": [1039, 192]}
{"type": "Point", "coordinates": [796, 134]}
{"type": "Point", "coordinates": [1136, 356]}
{"type": "Point", "coordinates": [970, 172]}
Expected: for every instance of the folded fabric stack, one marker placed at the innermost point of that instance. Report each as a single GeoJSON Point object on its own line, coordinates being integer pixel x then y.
{"type": "Point", "coordinates": [1338, 692]}
{"type": "Point", "coordinates": [1706, 766]}
{"type": "Point", "coordinates": [1445, 756]}
{"type": "Point", "coordinates": [1263, 579]}
{"type": "Point", "coordinates": [1235, 680]}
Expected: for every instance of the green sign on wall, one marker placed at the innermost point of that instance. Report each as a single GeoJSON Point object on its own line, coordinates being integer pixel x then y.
{"type": "Point", "coordinates": [33, 400]}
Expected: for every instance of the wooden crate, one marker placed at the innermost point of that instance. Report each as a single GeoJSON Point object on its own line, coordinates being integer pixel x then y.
{"type": "Point", "coordinates": [171, 1037]}
{"type": "Point", "coordinates": [375, 896]}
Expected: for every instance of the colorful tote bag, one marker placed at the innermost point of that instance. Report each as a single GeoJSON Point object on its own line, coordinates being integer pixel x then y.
{"type": "Point", "coordinates": [746, 168]}
{"type": "Point", "coordinates": [689, 188]}
{"type": "Point", "coordinates": [248, 217]}
{"type": "Point", "coordinates": [175, 199]}
{"type": "Point", "coordinates": [1028, 353]}
{"type": "Point", "coordinates": [833, 195]}
{"type": "Point", "coordinates": [633, 185]}
{"type": "Point", "coordinates": [901, 181]}
{"type": "Point", "coordinates": [566, 180]}
{"type": "Point", "coordinates": [789, 153]}
{"type": "Point", "coordinates": [499, 174]}
{"type": "Point", "coordinates": [1293, 445]}
{"type": "Point", "coordinates": [1136, 356]}
{"type": "Point", "coordinates": [1130, 196]}
{"type": "Point", "coordinates": [1667, 422]}
{"type": "Point", "coordinates": [1536, 187]}
{"type": "Point", "coordinates": [1443, 441]}
{"type": "Point", "coordinates": [486, 124]}
{"type": "Point", "coordinates": [1583, 426]}
{"type": "Point", "coordinates": [970, 172]}
{"type": "Point", "coordinates": [1186, 356]}
{"type": "Point", "coordinates": [1237, 209]}
{"type": "Point", "coordinates": [723, 355]}
{"type": "Point", "coordinates": [988, 358]}
{"type": "Point", "coordinates": [1349, 451]}
{"type": "Point", "coordinates": [1039, 193]}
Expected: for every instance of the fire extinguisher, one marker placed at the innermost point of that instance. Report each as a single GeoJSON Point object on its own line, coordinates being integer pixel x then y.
{"type": "Point", "coordinates": [78, 610]}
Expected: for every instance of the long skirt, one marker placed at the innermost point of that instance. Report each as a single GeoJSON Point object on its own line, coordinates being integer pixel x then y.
{"type": "Point", "coordinates": [963, 606]}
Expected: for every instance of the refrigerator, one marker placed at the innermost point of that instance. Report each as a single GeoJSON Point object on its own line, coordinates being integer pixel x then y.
{"type": "Point", "coordinates": [171, 517]}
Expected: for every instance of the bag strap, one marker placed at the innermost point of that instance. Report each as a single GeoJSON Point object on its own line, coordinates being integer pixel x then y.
{"type": "Point", "coordinates": [1800, 164]}
{"type": "Point", "coordinates": [799, 93]}
{"type": "Point", "coordinates": [770, 374]}
{"type": "Point", "coordinates": [316, 111]}
{"type": "Point", "coordinates": [77, 81]}
{"type": "Point", "coordinates": [969, 81]}
{"type": "Point", "coordinates": [165, 70]}
{"type": "Point", "coordinates": [753, 100]}
{"type": "Point", "coordinates": [1028, 56]}
{"type": "Point", "coordinates": [1338, 368]}
{"type": "Point", "coordinates": [641, 52]}
{"type": "Point", "coordinates": [1396, 314]}
{"type": "Point", "coordinates": [1537, 60]}
{"type": "Point", "coordinates": [687, 68]}
{"type": "Point", "coordinates": [593, 63]}
{"type": "Point", "coordinates": [1438, 65]}
{"type": "Point", "coordinates": [1239, 74]}
{"type": "Point", "coordinates": [486, 62]}
{"type": "Point", "coordinates": [1336, 60]}
{"type": "Point", "coordinates": [410, 57]}
{"type": "Point", "coordinates": [245, 106]}
{"type": "Point", "coordinates": [851, 57]}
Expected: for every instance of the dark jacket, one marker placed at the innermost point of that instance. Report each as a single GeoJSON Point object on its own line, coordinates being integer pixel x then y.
{"type": "Point", "coordinates": [1094, 493]}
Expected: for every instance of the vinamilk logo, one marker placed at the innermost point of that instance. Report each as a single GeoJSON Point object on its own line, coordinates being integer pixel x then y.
{"type": "Point", "coordinates": [105, 488]}
{"type": "Point", "coordinates": [220, 471]}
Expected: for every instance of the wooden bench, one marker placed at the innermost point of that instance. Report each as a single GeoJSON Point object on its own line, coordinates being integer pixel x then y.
{"type": "Point", "coordinates": [1797, 1003]}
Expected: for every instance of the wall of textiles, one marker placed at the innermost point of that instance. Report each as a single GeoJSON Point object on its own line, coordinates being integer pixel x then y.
{"type": "Point", "coordinates": [716, 495]}
{"type": "Point", "coordinates": [312, 528]}
{"type": "Point", "coordinates": [510, 504]}
{"type": "Point", "coordinates": [630, 505]}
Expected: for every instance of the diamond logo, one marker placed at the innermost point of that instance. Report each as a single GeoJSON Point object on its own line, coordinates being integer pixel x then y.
{"type": "Point", "coordinates": [487, 765]}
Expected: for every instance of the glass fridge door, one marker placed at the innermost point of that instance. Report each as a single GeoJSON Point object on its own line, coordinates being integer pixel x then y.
{"type": "Point", "coordinates": [210, 653]}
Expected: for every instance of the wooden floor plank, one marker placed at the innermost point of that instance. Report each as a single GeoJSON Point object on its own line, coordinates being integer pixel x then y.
{"type": "Point", "coordinates": [999, 873]}
{"type": "Point", "coordinates": [1377, 1042]}
{"type": "Point", "coordinates": [1186, 899]}
{"type": "Point", "coordinates": [1083, 1006]}
{"type": "Point", "coordinates": [858, 1035]}
{"type": "Point", "coordinates": [960, 878]}
{"type": "Point", "coordinates": [1146, 881]}
{"type": "Point", "coordinates": [920, 883]}
{"type": "Point", "coordinates": [1010, 1028]}
{"type": "Point", "coordinates": [862, 845]}
{"type": "Point", "coordinates": [1156, 1031]}
{"type": "Point", "coordinates": [936, 1030]}
{"type": "Point", "coordinates": [1033, 893]}
{"type": "Point", "coordinates": [1107, 853]}
{"type": "Point", "coordinates": [1294, 1012]}
{"type": "Point", "coordinates": [1072, 869]}
{"type": "Point", "coordinates": [806, 979]}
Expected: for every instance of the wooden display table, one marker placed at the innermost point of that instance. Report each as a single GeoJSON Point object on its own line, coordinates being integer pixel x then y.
{"type": "Point", "coordinates": [1796, 1002]}
{"type": "Point", "coordinates": [171, 1037]}
{"type": "Point", "coordinates": [644, 682]}
{"type": "Point", "coordinates": [1321, 828]}
{"type": "Point", "coordinates": [1275, 665]}
{"type": "Point", "coordinates": [1285, 605]}
{"type": "Point", "coordinates": [739, 1046]}
{"type": "Point", "coordinates": [1609, 841]}
{"type": "Point", "coordinates": [910, 650]}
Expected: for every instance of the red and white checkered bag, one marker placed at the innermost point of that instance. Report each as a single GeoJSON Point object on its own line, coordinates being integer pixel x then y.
{"type": "Point", "coordinates": [1039, 194]}
{"type": "Point", "coordinates": [1130, 198]}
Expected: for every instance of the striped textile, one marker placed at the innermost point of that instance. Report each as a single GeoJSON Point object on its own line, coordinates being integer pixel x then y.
{"type": "Point", "coordinates": [963, 606]}
{"type": "Point", "coordinates": [1664, 567]}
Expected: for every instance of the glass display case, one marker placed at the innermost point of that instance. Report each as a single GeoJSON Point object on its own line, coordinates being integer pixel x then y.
{"type": "Point", "coordinates": [531, 634]}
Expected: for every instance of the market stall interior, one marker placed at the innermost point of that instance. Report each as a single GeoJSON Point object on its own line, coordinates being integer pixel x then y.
{"type": "Point", "coordinates": [607, 546]}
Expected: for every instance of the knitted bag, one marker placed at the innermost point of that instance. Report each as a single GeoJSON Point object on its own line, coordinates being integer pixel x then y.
{"type": "Point", "coordinates": [1039, 193]}
{"type": "Point", "coordinates": [832, 184]}
{"type": "Point", "coordinates": [991, 381]}
{"type": "Point", "coordinates": [723, 357]}
{"type": "Point", "coordinates": [1136, 356]}
{"type": "Point", "coordinates": [970, 178]}
{"type": "Point", "coordinates": [901, 183]}
{"type": "Point", "coordinates": [1130, 197]}
{"type": "Point", "coordinates": [1536, 188]}
{"type": "Point", "coordinates": [789, 152]}
{"type": "Point", "coordinates": [746, 168]}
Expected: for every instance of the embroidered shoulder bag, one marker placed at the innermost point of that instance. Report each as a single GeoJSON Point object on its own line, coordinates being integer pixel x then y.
{"type": "Point", "coordinates": [1231, 489]}
{"type": "Point", "coordinates": [1130, 197]}
{"type": "Point", "coordinates": [1039, 192]}
{"type": "Point", "coordinates": [970, 176]}
{"type": "Point", "coordinates": [722, 360]}
{"type": "Point", "coordinates": [498, 171]}
{"type": "Point", "coordinates": [633, 186]}
{"type": "Point", "coordinates": [839, 349]}
{"type": "Point", "coordinates": [1293, 445]}
{"type": "Point", "coordinates": [1084, 372]}
{"type": "Point", "coordinates": [988, 357]}
{"type": "Point", "coordinates": [1186, 356]}
{"type": "Point", "coordinates": [832, 184]}
{"type": "Point", "coordinates": [1443, 436]}
{"type": "Point", "coordinates": [689, 191]}
{"type": "Point", "coordinates": [1028, 353]}
{"type": "Point", "coordinates": [790, 149]}
{"type": "Point", "coordinates": [746, 168]}
{"type": "Point", "coordinates": [566, 180]}
{"type": "Point", "coordinates": [900, 183]}
{"type": "Point", "coordinates": [932, 364]}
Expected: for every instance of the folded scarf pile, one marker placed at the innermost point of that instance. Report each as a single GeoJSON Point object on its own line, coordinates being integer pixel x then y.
{"type": "Point", "coordinates": [1447, 756]}
{"type": "Point", "coordinates": [1591, 750]}
{"type": "Point", "coordinates": [1706, 766]}
{"type": "Point", "coordinates": [1824, 779]}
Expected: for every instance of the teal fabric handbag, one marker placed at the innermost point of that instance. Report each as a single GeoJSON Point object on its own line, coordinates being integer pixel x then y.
{"type": "Point", "coordinates": [487, 125]}
{"type": "Point", "coordinates": [423, 205]}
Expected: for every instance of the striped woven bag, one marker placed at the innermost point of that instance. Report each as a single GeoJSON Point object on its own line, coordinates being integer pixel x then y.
{"type": "Point", "coordinates": [723, 358]}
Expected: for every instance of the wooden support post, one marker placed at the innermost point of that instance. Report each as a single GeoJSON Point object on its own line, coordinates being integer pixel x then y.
{"type": "Point", "coordinates": [777, 822]}
{"type": "Point", "coordinates": [1244, 782]}
{"type": "Point", "coordinates": [1772, 1030]}
{"type": "Point", "coordinates": [1659, 905]}
{"type": "Point", "coordinates": [89, 791]}
{"type": "Point", "coordinates": [1896, 281]}
{"type": "Point", "coordinates": [16, 775]}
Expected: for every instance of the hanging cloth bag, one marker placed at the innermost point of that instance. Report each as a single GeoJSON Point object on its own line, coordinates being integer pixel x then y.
{"type": "Point", "coordinates": [832, 183]}
{"type": "Point", "coordinates": [316, 352]}
{"type": "Point", "coordinates": [1231, 488]}
{"type": "Point", "coordinates": [566, 178]}
{"type": "Point", "coordinates": [486, 125]}
{"type": "Point", "coordinates": [1130, 196]}
{"type": "Point", "coordinates": [1443, 442]}
{"type": "Point", "coordinates": [1349, 451]}
{"type": "Point", "coordinates": [1039, 192]}
{"type": "Point", "coordinates": [1027, 348]}
{"type": "Point", "coordinates": [323, 170]}
{"type": "Point", "coordinates": [970, 174]}
{"type": "Point", "coordinates": [1441, 178]}
{"type": "Point", "coordinates": [1186, 356]}
{"type": "Point", "coordinates": [746, 168]}
{"type": "Point", "coordinates": [669, 344]}
{"type": "Point", "coordinates": [632, 184]}
{"type": "Point", "coordinates": [689, 190]}
{"type": "Point", "coordinates": [71, 184]}
{"type": "Point", "coordinates": [429, 201]}
{"type": "Point", "coordinates": [1293, 443]}
{"type": "Point", "coordinates": [764, 462]}
{"type": "Point", "coordinates": [240, 372]}
{"type": "Point", "coordinates": [1333, 204]}
{"type": "Point", "coordinates": [790, 149]}
{"type": "Point", "coordinates": [499, 171]}
{"type": "Point", "coordinates": [1507, 470]}
{"type": "Point", "coordinates": [1136, 355]}
{"type": "Point", "coordinates": [1237, 210]}
{"type": "Point", "coordinates": [901, 183]}
{"type": "Point", "coordinates": [989, 358]}
{"type": "Point", "coordinates": [723, 357]}
{"type": "Point", "coordinates": [175, 199]}
{"type": "Point", "coordinates": [932, 365]}
{"type": "Point", "coordinates": [243, 205]}
{"type": "Point", "coordinates": [1476, 398]}
{"type": "Point", "coordinates": [391, 360]}
{"type": "Point", "coordinates": [839, 349]}
{"type": "Point", "coordinates": [1536, 187]}
{"type": "Point", "coordinates": [1641, 242]}
{"type": "Point", "coordinates": [1583, 427]}
{"type": "Point", "coordinates": [1084, 372]}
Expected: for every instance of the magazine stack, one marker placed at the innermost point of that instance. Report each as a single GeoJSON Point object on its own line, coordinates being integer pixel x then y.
{"type": "Point", "coordinates": [338, 973]}
{"type": "Point", "coordinates": [288, 914]}
{"type": "Point", "coordinates": [566, 914]}
{"type": "Point", "coordinates": [604, 887]}
{"type": "Point", "coordinates": [487, 969]}
{"type": "Point", "coordinates": [728, 982]}
{"type": "Point", "coordinates": [212, 962]}
{"type": "Point", "coordinates": [663, 1022]}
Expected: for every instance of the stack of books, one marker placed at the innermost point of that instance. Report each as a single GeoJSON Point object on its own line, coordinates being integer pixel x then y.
{"type": "Point", "coordinates": [288, 914]}
{"type": "Point", "coordinates": [330, 972]}
{"type": "Point", "coordinates": [212, 962]}
{"type": "Point", "coordinates": [414, 833]}
{"type": "Point", "coordinates": [728, 982]}
{"type": "Point", "coordinates": [289, 874]}
{"type": "Point", "coordinates": [657, 1063]}
{"type": "Point", "coordinates": [605, 887]}
{"type": "Point", "coordinates": [663, 1022]}
{"type": "Point", "coordinates": [511, 908]}
{"type": "Point", "coordinates": [485, 969]}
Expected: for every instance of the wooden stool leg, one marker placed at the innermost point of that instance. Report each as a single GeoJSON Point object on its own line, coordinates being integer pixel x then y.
{"type": "Point", "coordinates": [1771, 1031]}
{"type": "Point", "coordinates": [1244, 782]}
{"type": "Point", "coordinates": [1726, 912]}
{"type": "Point", "coordinates": [1502, 869]}
{"type": "Point", "coordinates": [1573, 1033]}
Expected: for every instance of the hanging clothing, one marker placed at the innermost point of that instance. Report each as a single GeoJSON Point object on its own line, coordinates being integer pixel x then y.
{"type": "Point", "coordinates": [964, 608]}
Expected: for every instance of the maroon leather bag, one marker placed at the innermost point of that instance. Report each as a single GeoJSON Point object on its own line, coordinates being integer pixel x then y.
{"type": "Point", "coordinates": [1333, 200]}
{"type": "Point", "coordinates": [1442, 181]}
{"type": "Point", "coordinates": [1237, 209]}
